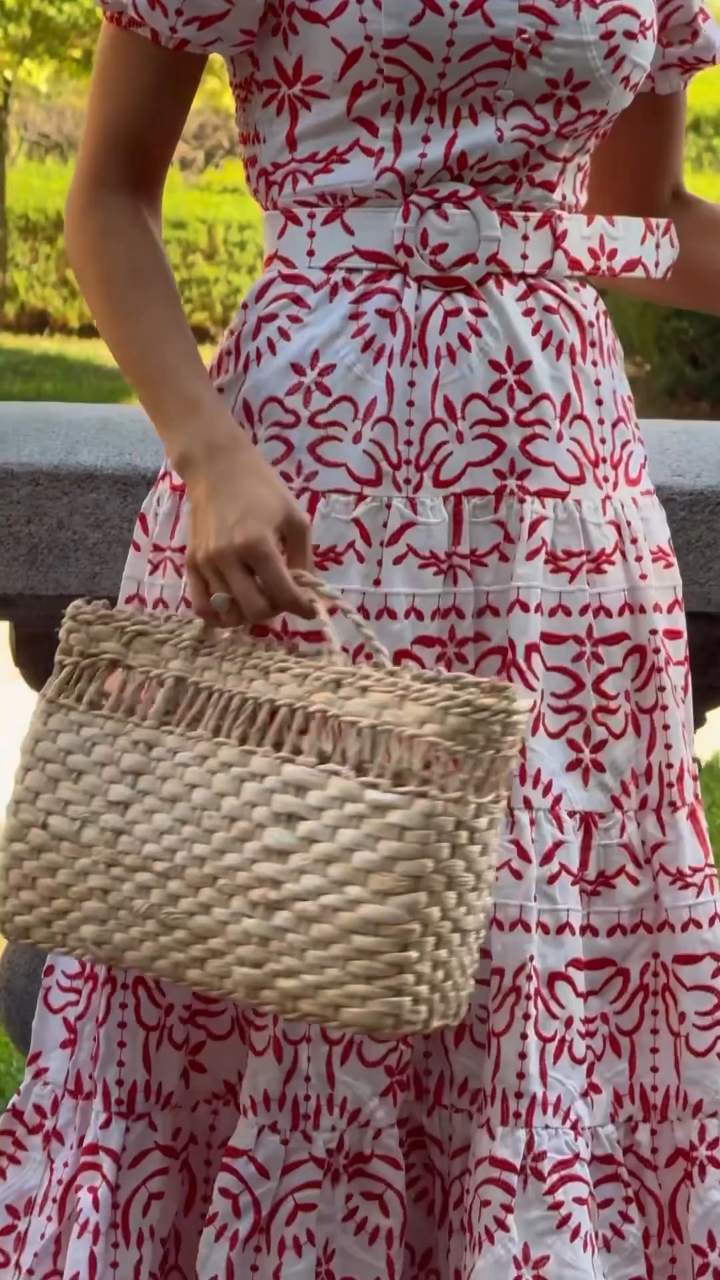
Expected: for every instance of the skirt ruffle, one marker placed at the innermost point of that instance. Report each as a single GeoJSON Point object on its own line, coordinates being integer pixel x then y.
{"type": "Point", "coordinates": [570, 1125]}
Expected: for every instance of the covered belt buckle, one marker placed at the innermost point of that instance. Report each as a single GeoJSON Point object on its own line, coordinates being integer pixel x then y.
{"type": "Point", "coordinates": [447, 236]}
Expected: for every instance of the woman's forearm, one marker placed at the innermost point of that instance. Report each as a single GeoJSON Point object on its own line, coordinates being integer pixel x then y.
{"type": "Point", "coordinates": [694, 284]}
{"type": "Point", "coordinates": [115, 248]}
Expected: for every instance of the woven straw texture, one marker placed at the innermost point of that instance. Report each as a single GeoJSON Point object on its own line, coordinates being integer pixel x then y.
{"type": "Point", "coordinates": [287, 830]}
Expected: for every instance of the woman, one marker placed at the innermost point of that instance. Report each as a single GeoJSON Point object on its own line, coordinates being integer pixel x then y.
{"type": "Point", "coordinates": [426, 387]}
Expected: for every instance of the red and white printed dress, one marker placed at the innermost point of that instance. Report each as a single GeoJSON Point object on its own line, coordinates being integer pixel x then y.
{"type": "Point", "coordinates": [426, 368]}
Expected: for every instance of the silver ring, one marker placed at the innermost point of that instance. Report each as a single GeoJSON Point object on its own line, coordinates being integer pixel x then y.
{"type": "Point", "coordinates": [220, 603]}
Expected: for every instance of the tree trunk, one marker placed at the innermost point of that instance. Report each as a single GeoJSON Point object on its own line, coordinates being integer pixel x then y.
{"type": "Point", "coordinates": [5, 94]}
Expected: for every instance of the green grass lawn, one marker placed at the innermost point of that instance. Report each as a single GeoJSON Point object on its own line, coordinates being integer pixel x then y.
{"type": "Point", "coordinates": [11, 1066]}
{"type": "Point", "coordinates": [74, 370]}
{"type": "Point", "coordinates": [711, 796]}
{"type": "Point", "coordinates": [69, 370]}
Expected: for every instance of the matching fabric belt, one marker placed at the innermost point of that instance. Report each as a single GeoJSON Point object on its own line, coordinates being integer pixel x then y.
{"type": "Point", "coordinates": [449, 237]}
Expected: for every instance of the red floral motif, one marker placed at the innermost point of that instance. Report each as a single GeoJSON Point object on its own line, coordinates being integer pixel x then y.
{"type": "Point", "coordinates": [311, 380]}
{"type": "Point", "coordinates": [472, 464]}
{"type": "Point", "coordinates": [291, 91]}
{"type": "Point", "coordinates": [528, 1267]}
{"type": "Point", "coordinates": [586, 755]}
{"type": "Point", "coordinates": [708, 1258]}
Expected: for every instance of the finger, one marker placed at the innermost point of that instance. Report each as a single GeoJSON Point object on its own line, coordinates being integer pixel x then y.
{"type": "Point", "coordinates": [299, 556]}
{"type": "Point", "coordinates": [248, 595]}
{"type": "Point", "coordinates": [211, 584]}
{"type": "Point", "coordinates": [297, 541]}
{"type": "Point", "coordinates": [277, 582]}
{"type": "Point", "coordinates": [199, 593]}
{"type": "Point", "coordinates": [298, 546]}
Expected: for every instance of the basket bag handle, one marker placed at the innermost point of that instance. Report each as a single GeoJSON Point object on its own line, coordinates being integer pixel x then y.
{"type": "Point", "coordinates": [328, 601]}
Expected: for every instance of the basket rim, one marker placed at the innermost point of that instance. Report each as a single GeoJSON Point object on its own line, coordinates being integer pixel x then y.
{"type": "Point", "coordinates": [168, 627]}
{"type": "Point", "coordinates": [408, 735]}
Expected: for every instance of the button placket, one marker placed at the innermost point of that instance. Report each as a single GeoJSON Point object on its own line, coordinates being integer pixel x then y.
{"type": "Point", "coordinates": [523, 50]}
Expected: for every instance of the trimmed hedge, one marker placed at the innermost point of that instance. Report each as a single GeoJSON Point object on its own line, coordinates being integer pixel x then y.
{"type": "Point", "coordinates": [214, 242]}
{"type": "Point", "coordinates": [672, 358]}
{"type": "Point", "coordinates": [212, 233]}
{"type": "Point", "coordinates": [702, 147]}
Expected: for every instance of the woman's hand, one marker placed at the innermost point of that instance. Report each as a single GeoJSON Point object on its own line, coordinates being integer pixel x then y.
{"type": "Point", "coordinates": [246, 536]}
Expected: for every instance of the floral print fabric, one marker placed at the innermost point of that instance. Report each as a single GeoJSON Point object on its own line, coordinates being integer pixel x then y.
{"type": "Point", "coordinates": [478, 485]}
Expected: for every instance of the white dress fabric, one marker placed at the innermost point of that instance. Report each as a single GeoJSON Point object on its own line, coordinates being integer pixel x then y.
{"type": "Point", "coordinates": [428, 371]}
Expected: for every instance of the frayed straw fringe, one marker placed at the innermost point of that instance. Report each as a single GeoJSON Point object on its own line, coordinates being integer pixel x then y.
{"type": "Point", "coordinates": [286, 830]}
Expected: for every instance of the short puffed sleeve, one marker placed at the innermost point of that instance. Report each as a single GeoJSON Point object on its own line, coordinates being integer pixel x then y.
{"type": "Point", "coordinates": [227, 27]}
{"type": "Point", "coordinates": [688, 42]}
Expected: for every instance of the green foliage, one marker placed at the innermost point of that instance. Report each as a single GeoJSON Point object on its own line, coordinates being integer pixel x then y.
{"type": "Point", "coordinates": [38, 132]}
{"type": "Point", "coordinates": [672, 357]}
{"type": "Point", "coordinates": [37, 35]}
{"type": "Point", "coordinates": [212, 234]}
{"type": "Point", "coordinates": [47, 114]}
{"type": "Point", "coordinates": [213, 237]}
{"type": "Point", "coordinates": [215, 93]}
{"type": "Point", "coordinates": [703, 122]}
{"type": "Point", "coordinates": [209, 140]}
{"type": "Point", "coordinates": [11, 1070]}
{"type": "Point", "coordinates": [710, 786]}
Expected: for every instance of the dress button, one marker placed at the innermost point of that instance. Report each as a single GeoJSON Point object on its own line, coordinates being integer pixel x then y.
{"type": "Point", "coordinates": [504, 95]}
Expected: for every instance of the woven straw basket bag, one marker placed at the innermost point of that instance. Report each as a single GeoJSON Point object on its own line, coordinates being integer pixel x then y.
{"type": "Point", "coordinates": [309, 837]}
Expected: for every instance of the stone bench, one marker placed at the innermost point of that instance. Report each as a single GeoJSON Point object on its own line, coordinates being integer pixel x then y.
{"type": "Point", "coordinates": [685, 466]}
{"type": "Point", "coordinates": [72, 478]}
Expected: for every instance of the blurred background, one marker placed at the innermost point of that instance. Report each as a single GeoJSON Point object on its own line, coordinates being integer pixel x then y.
{"type": "Point", "coordinates": [48, 347]}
